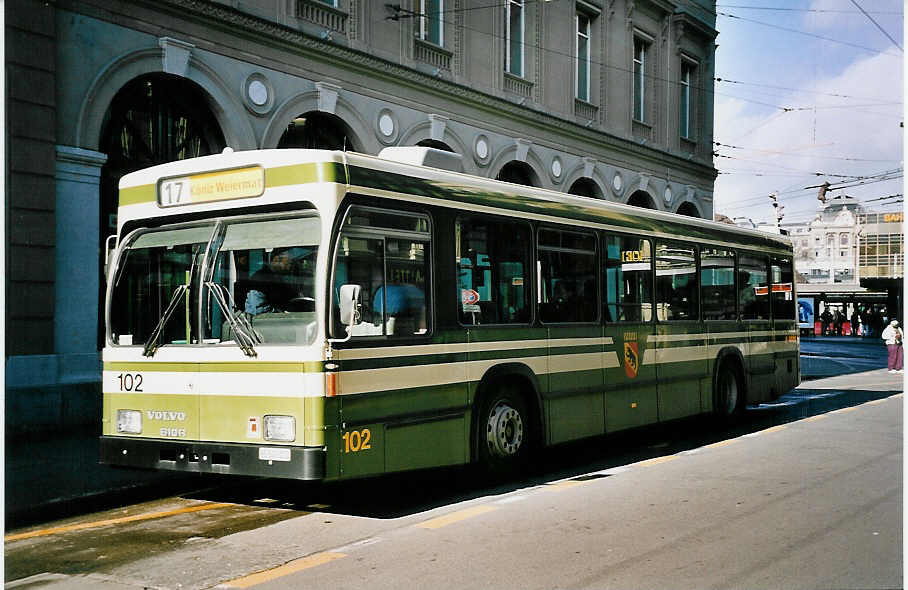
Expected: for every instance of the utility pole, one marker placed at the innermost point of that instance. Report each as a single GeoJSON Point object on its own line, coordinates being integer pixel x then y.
{"type": "Point", "coordinates": [775, 203]}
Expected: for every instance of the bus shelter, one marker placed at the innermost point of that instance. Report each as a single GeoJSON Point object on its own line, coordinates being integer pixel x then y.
{"type": "Point", "coordinates": [836, 309]}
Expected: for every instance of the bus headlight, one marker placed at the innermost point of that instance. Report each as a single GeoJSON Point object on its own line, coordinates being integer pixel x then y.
{"type": "Point", "coordinates": [280, 428]}
{"type": "Point", "coordinates": [129, 421]}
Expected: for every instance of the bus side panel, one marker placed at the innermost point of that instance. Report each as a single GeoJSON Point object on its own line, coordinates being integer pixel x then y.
{"type": "Point", "coordinates": [575, 403]}
{"type": "Point", "coordinates": [630, 383]}
{"type": "Point", "coordinates": [681, 367]}
{"type": "Point", "coordinates": [403, 429]}
{"type": "Point", "coordinates": [788, 372]}
{"type": "Point", "coordinates": [761, 364]}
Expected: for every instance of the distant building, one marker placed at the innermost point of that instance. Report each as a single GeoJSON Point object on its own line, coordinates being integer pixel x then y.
{"type": "Point", "coordinates": [845, 243]}
{"type": "Point", "coordinates": [826, 246]}
{"type": "Point", "coordinates": [881, 243]}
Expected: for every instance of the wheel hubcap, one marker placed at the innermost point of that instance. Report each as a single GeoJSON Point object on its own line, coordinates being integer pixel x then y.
{"type": "Point", "coordinates": [504, 432]}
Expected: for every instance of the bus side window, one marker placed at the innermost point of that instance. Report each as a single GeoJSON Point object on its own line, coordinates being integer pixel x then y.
{"type": "Point", "coordinates": [676, 281]}
{"type": "Point", "coordinates": [387, 254]}
{"type": "Point", "coordinates": [753, 287]}
{"type": "Point", "coordinates": [717, 283]}
{"type": "Point", "coordinates": [567, 263]}
{"type": "Point", "coordinates": [783, 307]}
{"type": "Point", "coordinates": [628, 270]}
{"type": "Point", "coordinates": [492, 271]}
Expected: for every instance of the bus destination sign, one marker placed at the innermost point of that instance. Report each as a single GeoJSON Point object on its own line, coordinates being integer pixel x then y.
{"type": "Point", "coordinates": [238, 183]}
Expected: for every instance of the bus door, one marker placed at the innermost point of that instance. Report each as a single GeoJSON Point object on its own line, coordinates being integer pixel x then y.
{"type": "Point", "coordinates": [567, 294]}
{"type": "Point", "coordinates": [680, 344]}
{"type": "Point", "coordinates": [718, 307]}
{"type": "Point", "coordinates": [784, 325]}
{"type": "Point", "coordinates": [754, 301]}
{"type": "Point", "coordinates": [630, 371]}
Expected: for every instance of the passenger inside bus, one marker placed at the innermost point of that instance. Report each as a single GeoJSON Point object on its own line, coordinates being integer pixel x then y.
{"type": "Point", "coordinates": [405, 304]}
{"type": "Point", "coordinates": [285, 283]}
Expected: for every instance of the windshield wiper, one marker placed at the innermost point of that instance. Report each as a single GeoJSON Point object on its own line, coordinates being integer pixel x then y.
{"type": "Point", "coordinates": [152, 344]}
{"type": "Point", "coordinates": [243, 332]}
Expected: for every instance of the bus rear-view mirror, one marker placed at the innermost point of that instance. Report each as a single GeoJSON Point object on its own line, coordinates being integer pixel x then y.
{"type": "Point", "coordinates": [349, 304]}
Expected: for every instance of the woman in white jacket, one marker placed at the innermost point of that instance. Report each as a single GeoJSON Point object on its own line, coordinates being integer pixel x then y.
{"type": "Point", "coordinates": [893, 337]}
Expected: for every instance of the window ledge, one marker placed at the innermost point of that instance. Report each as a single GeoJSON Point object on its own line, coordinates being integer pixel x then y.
{"type": "Point", "coordinates": [432, 54]}
{"type": "Point", "coordinates": [517, 85]}
{"type": "Point", "coordinates": [585, 109]}
{"type": "Point", "coordinates": [322, 15]}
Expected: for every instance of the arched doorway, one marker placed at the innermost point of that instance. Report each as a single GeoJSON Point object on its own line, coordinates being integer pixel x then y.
{"type": "Point", "coordinates": [585, 187]}
{"type": "Point", "coordinates": [518, 173]}
{"type": "Point", "coordinates": [153, 119]}
{"type": "Point", "coordinates": [317, 130]}
{"type": "Point", "coordinates": [641, 199]}
{"type": "Point", "coordinates": [689, 209]}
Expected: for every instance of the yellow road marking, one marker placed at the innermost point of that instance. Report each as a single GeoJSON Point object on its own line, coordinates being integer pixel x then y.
{"type": "Point", "coordinates": [721, 443]}
{"type": "Point", "coordinates": [814, 418]}
{"type": "Point", "coordinates": [292, 567]}
{"type": "Point", "coordinates": [99, 523]}
{"type": "Point", "coordinates": [773, 429]}
{"type": "Point", "coordinates": [437, 523]}
{"type": "Point", "coordinates": [563, 485]}
{"type": "Point", "coordinates": [656, 460]}
{"type": "Point", "coordinates": [875, 402]}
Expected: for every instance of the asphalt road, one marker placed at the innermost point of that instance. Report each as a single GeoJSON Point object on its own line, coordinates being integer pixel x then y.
{"type": "Point", "coordinates": [805, 492]}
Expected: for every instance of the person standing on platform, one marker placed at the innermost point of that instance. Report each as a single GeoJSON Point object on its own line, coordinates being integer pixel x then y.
{"type": "Point", "coordinates": [893, 336]}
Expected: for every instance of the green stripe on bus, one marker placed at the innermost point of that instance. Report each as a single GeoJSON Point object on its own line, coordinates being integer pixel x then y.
{"type": "Point", "coordinates": [304, 174]}
{"type": "Point", "coordinates": [214, 367]}
{"type": "Point", "coordinates": [460, 357]}
{"type": "Point", "coordinates": [137, 195]}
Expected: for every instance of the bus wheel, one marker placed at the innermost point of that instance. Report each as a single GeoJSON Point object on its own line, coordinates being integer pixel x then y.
{"type": "Point", "coordinates": [504, 432]}
{"type": "Point", "coordinates": [729, 394]}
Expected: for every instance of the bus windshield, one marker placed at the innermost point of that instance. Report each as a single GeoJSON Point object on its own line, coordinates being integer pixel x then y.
{"type": "Point", "coordinates": [244, 281]}
{"type": "Point", "coordinates": [266, 269]}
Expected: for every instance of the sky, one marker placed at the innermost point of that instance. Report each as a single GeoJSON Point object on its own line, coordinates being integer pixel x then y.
{"type": "Point", "coordinates": [811, 91]}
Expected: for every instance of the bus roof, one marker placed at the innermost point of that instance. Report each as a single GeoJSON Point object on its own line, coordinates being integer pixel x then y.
{"type": "Point", "coordinates": [384, 177]}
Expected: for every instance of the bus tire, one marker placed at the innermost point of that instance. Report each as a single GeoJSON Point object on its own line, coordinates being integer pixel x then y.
{"type": "Point", "coordinates": [505, 432]}
{"type": "Point", "coordinates": [728, 392]}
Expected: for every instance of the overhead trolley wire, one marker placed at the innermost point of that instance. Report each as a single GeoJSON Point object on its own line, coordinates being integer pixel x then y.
{"type": "Point", "coordinates": [818, 10]}
{"type": "Point", "coordinates": [805, 33]}
{"type": "Point", "coordinates": [884, 31]}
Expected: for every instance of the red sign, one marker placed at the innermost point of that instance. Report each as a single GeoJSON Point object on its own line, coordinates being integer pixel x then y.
{"type": "Point", "coordinates": [631, 359]}
{"type": "Point", "coordinates": [469, 296]}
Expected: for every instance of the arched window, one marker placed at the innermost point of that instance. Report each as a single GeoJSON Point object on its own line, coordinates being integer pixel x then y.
{"type": "Point", "coordinates": [518, 173]}
{"type": "Point", "coordinates": [689, 209]}
{"type": "Point", "coordinates": [153, 119]}
{"type": "Point", "coordinates": [641, 199]}
{"type": "Point", "coordinates": [585, 187]}
{"type": "Point", "coordinates": [317, 130]}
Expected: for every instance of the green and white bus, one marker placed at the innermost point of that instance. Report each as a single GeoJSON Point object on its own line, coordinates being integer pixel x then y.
{"type": "Point", "coordinates": [323, 315]}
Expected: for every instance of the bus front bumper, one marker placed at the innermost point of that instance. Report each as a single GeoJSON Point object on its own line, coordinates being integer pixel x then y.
{"type": "Point", "coordinates": [307, 463]}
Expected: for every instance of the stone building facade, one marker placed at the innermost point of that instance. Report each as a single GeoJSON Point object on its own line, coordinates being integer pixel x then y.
{"type": "Point", "coordinates": [607, 98]}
